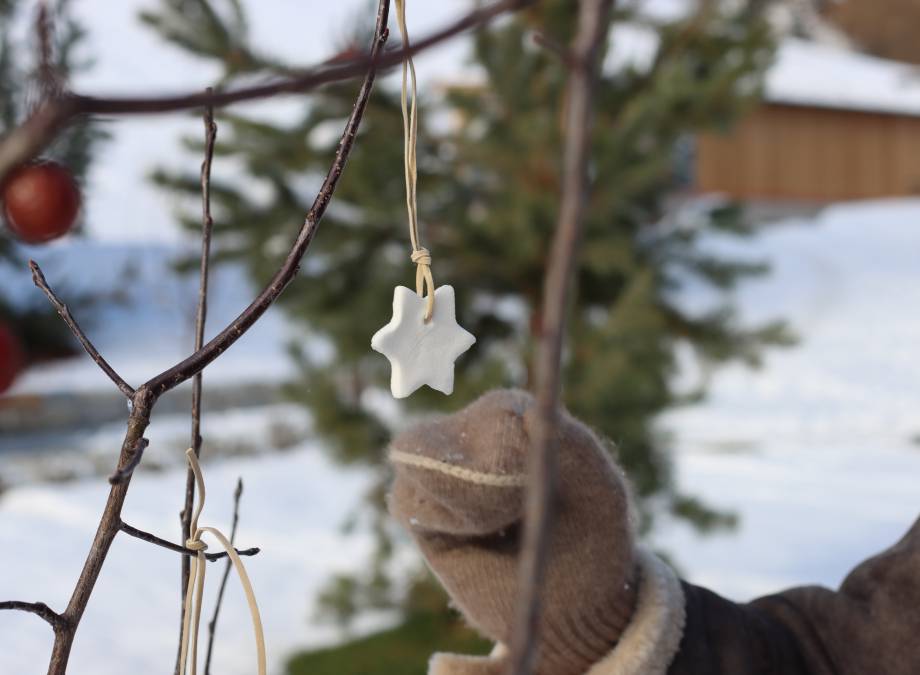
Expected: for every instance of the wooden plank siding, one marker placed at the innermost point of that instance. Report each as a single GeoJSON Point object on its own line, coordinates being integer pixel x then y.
{"type": "Point", "coordinates": [786, 152]}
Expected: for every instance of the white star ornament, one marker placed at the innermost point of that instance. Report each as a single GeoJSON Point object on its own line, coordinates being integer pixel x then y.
{"type": "Point", "coordinates": [422, 352]}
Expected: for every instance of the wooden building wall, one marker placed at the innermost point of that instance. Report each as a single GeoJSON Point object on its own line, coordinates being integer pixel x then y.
{"type": "Point", "coordinates": [784, 152]}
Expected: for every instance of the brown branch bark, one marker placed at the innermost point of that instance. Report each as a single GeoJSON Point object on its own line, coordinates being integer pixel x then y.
{"type": "Point", "coordinates": [109, 526]}
{"type": "Point", "coordinates": [40, 609]}
{"type": "Point", "coordinates": [27, 140]}
{"type": "Point", "coordinates": [212, 624]}
{"type": "Point", "coordinates": [593, 22]}
{"type": "Point", "coordinates": [122, 473]}
{"type": "Point", "coordinates": [38, 279]}
{"type": "Point", "coordinates": [186, 552]}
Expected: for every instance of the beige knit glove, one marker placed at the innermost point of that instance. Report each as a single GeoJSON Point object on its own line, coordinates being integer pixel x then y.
{"type": "Point", "coordinates": [459, 491]}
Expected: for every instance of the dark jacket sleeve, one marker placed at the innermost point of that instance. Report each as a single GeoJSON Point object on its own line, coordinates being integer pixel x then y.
{"type": "Point", "coordinates": [870, 626]}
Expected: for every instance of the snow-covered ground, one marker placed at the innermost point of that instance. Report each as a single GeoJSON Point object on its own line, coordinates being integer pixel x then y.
{"type": "Point", "coordinates": [814, 452]}
{"type": "Point", "coordinates": [818, 452]}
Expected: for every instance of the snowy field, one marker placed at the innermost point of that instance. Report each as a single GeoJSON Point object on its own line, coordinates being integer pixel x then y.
{"type": "Point", "coordinates": [814, 453]}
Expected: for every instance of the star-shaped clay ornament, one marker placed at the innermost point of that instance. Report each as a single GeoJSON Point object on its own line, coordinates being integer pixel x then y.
{"type": "Point", "coordinates": [422, 352]}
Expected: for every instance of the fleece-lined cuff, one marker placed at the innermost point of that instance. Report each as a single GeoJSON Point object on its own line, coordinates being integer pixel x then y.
{"type": "Point", "coordinates": [647, 646]}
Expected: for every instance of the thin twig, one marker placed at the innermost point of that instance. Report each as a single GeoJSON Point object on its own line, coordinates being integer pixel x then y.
{"type": "Point", "coordinates": [146, 396]}
{"type": "Point", "coordinates": [165, 543]}
{"type": "Point", "coordinates": [38, 608]}
{"type": "Point", "coordinates": [27, 140]}
{"type": "Point", "coordinates": [207, 225]}
{"type": "Point", "coordinates": [39, 279]}
{"type": "Point", "coordinates": [212, 624]}
{"type": "Point", "coordinates": [123, 473]}
{"type": "Point", "coordinates": [555, 48]}
{"type": "Point", "coordinates": [593, 22]}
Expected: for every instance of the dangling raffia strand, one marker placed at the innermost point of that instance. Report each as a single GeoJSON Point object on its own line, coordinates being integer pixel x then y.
{"type": "Point", "coordinates": [421, 256]}
{"type": "Point", "coordinates": [195, 589]}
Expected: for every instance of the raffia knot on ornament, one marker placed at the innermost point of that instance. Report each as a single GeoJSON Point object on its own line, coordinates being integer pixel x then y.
{"type": "Point", "coordinates": [422, 257]}
{"type": "Point", "coordinates": [195, 545]}
{"type": "Point", "coordinates": [423, 277]}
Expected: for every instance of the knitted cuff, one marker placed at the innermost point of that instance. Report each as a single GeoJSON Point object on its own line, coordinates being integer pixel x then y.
{"type": "Point", "coordinates": [459, 664]}
{"type": "Point", "coordinates": [653, 636]}
{"type": "Point", "coordinates": [646, 647]}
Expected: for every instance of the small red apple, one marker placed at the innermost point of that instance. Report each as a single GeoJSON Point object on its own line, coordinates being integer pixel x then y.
{"type": "Point", "coordinates": [12, 357]}
{"type": "Point", "coordinates": [41, 201]}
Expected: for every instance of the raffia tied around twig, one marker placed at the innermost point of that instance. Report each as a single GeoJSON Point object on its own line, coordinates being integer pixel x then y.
{"type": "Point", "coordinates": [421, 256]}
{"type": "Point", "coordinates": [195, 589]}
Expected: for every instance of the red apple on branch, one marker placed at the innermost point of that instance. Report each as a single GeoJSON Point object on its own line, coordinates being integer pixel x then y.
{"type": "Point", "coordinates": [41, 201]}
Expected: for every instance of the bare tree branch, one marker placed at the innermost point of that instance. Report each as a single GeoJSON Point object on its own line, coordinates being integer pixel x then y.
{"type": "Point", "coordinates": [212, 624]}
{"type": "Point", "coordinates": [39, 279]}
{"type": "Point", "coordinates": [38, 608]}
{"type": "Point", "coordinates": [122, 473]}
{"type": "Point", "coordinates": [207, 225]}
{"type": "Point", "coordinates": [146, 396]}
{"type": "Point", "coordinates": [165, 543]}
{"type": "Point", "coordinates": [27, 140]}
{"type": "Point", "coordinates": [593, 22]}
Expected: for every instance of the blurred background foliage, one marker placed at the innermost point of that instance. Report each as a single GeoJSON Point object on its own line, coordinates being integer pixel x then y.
{"type": "Point", "coordinates": [489, 153]}
{"type": "Point", "coordinates": [24, 77]}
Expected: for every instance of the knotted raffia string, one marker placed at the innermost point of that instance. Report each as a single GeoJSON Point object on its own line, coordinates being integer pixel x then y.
{"type": "Point", "coordinates": [420, 255]}
{"type": "Point", "coordinates": [196, 582]}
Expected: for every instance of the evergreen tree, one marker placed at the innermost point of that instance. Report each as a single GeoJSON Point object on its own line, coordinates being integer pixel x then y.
{"type": "Point", "coordinates": [488, 193]}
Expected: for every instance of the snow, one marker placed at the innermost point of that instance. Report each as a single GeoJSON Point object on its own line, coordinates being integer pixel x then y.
{"type": "Point", "coordinates": [803, 73]}
{"type": "Point", "coordinates": [814, 453]}
{"type": "Point", "coordinates": [808, 73]}
{"type": "Point", "coordinates": [292, 507]}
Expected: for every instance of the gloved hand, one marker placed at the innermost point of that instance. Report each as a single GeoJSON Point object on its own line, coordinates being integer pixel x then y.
{"type": "Point", "coordinates": [459, 491]}
{"type": "Point", "coordinates": [609, 607]}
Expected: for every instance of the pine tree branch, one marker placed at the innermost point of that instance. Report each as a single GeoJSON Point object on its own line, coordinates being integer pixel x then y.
{"type": "Point", "coordinates": [37, 132]}
{"type": "Point", "coordinates": [593, 23]}
{"type": "Point", "coordinates": [165, 543]}
{"type": "Point", "coordinates": [38, 608]}
{"type": "Point", "coordinates": [38, 279]}
{"type": "Point", "coordinates": [212, 624]}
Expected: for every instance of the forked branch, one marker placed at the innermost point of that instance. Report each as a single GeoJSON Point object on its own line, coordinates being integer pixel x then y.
{"type": "Point", "coordinates": [144, 398]}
